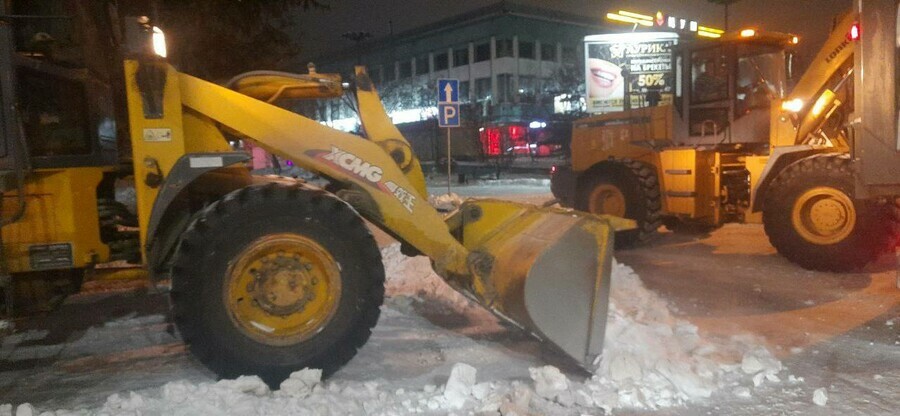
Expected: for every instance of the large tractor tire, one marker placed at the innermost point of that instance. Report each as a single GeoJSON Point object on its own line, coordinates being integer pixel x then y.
{"type": "Point", "coordinates": [813, 220]}
{"type": "Point", "coordinates": [272, 279]}
{"type": "Point", "coordinates": [627, 189]}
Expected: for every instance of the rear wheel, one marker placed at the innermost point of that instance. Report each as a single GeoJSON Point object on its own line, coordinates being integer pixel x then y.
{"type": "Point", "coordinates": [813, 220]}
{"type": "Point", "coordinates": [273, 279]}
{"type": "Point", "coordinates": [627, 189]}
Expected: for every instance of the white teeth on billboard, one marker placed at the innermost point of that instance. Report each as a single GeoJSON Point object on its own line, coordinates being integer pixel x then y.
{"type": "Point", "coordinates": [603, 75]}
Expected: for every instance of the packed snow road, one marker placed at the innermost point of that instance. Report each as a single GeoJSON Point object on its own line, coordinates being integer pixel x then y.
{"type": "Point", "coordinates": [716, 323]}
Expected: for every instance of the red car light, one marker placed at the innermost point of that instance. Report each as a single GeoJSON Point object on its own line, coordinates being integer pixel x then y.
{"type": "Point", "coordinates": [490, 141]}
{"type": "Point", "coordinates": [516, 132]}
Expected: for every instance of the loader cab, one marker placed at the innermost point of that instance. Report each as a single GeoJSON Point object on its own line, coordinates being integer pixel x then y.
{"type": "Point", "coordinates": [59, 77]}
{"type": "Point", "coordinates": [726, 86]}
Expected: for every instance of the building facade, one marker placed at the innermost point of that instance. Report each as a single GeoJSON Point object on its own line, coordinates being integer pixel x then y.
{"type": "Point", "coordinates": [506, 56]}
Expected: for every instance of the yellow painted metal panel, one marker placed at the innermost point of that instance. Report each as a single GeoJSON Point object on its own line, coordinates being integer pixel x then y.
{"type": "Point", "coordinates": [161, 140]}
{"type": "Point", "coordinates": [381, 130]}
{"type": "Point", "coordinates": [708, 170]}
{"type": "Point", "coordinates": [755, 164]}
{"type": "Point", "coordinates": [334, 154]}
{"type": "Point", "coordinates": [202, 135]}
{"type": "Point", "coordinates": [620, 135]}
{"type": "Point", "coordinates": [679, 170]}
{"type": "Point", "coordinates": [61, 208]}
{"type": "Point", "coordinates": [833, 55]}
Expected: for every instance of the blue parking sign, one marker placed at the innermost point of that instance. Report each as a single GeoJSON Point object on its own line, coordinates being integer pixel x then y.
{"type": "Point", "coordinates": [448, 115]}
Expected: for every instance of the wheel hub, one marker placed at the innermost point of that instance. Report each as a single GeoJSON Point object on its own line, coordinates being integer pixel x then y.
{"type": "Point", "coordinates": [283, 285]}
{"type": "Point", "coordinates": [282, 289]}
{"type": "Point", "coordinates": [607, 199]}
{"type": "Point", "coordinates": [824, 215]}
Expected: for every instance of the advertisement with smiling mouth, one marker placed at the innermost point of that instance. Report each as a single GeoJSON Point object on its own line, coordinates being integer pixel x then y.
{"type": "Point", "coordinates": [623, 69]}
{"type": "Point", "coordinates": [606, 79]}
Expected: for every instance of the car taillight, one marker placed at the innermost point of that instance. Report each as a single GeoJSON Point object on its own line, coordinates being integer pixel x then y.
{"type": "Point", "coordinates": [490, 141]}
{"type": "Point", "coordinates": [553, 169]}
{"type": "Point", "coordinates": [855, 32]}
{"type": "Point", "coordinates": [516, 132]}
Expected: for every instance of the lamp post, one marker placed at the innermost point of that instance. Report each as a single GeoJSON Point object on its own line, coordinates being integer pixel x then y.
{"type": "Point", "coordinates": [357, 38]}
{"type": "Point", "coordinates": [725, 3]}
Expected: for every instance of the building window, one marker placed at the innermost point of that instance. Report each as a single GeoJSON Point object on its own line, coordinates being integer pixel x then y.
{"type": "Point", "coordinates": [526, 50]}
{"type": "Point", "coordinates": [460, 56]}
{"type": "Point", "coordinates": [440, 61]}
{"type": "Point", "coordinates": [569, 55]}
{"type": "Point", "coordinates": [422, 65]}
{"type": "Point", "coordinates": [482, 89]}
{"type": "Point", "coordinates": [464, 91]}
{"type": "Point", "coordinates": [390, 73]}
{"type": "Point", "coordinates": [405, 69]}
{"type": "Point", "coordinates": [483, 52]}
{"type": "Point", "coordinates": [528, 85]}
{"type": "Point", "coordinates": [505, 88]}
{"type": "Point", "coordinates": [504, 48]}
{"type": "Point", "coordinates": [548, 52]}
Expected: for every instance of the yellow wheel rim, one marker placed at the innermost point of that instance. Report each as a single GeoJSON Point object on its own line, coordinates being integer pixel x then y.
{"type": "Point", "coordinates": [607, 199]}
{"type": "Point", "coordinates": [282, 289]}
{"type": "Point", "coordinates": [824, 215]}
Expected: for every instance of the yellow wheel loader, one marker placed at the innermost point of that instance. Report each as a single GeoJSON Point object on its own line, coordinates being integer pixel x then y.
{"type": "Point", "coordinates": [818, 164]}
{"type": "Point", "coordinates": [268, 275]}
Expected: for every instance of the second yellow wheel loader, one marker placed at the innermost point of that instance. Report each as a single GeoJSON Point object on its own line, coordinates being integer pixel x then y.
{"type": "Point", "coordinates": [268, 275]}
{"type": "Point", "coordinates": [818, 164]}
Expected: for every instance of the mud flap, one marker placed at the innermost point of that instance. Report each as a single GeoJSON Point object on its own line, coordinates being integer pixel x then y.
{"type": "Point", "coordinates": [547, 270]}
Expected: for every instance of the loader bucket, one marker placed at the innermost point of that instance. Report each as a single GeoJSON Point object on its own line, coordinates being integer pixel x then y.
{"type": "Point", "coordinates": [546, 270]}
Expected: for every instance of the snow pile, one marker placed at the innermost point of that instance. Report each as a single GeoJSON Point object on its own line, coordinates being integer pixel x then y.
{"type": "Point", "coordinates": [305, 394]}
{"type": "Point", "coordinates": [445, 202]}
{"type": "Point", "coordinates": [411, 280]}
{"type": "Point", "coordinates": [820, 397]}
{"type": "Point", "coordinates": [651, 360]}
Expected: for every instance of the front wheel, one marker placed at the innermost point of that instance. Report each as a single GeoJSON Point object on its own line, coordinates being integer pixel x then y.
{"type": "Point", "coordinates": [813, 220]}
{"type": "Point", "coordinates": [274, 278]}
{"type": "Point", "coordinates": [626, 189]}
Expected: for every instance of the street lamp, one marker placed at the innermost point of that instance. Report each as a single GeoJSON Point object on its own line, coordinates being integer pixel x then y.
{"type": "Point", "coordinates": [357, 37]}
{"type": "Point", "coordinates": [725, 3]}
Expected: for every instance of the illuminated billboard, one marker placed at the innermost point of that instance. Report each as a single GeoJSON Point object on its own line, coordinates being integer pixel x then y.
{"type": "Point", "coordinates": [629, 70]}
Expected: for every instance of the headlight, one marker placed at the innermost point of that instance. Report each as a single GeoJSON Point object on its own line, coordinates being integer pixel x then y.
{"type": "Point", "coordinates": [793, 106]}
{"type": "Point", "coordinates": [159, 42]}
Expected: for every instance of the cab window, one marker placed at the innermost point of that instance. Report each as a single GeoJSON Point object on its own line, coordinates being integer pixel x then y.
{"type": "Point", "coordinates": [760, 79]}
{"type": "Point", "coordinates": [709, 76]}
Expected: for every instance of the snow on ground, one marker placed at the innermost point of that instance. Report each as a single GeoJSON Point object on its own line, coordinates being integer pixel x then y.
{"type": "Point", "coordinates": [651, 360]}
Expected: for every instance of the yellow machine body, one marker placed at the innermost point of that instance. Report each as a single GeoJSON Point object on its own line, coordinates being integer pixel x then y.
{"type": "Point", "coordinates": [691, 175]}
{"type": "Point", "coordinates": [58, 229]}
{"type": "Point", "coordinates": [512, 258]}
{"type": "Point", "coordinates": [740, 145]}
